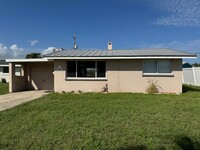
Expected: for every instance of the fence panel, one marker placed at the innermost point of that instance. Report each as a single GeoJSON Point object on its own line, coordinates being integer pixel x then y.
{"type": "Point", "coordinates": [191, 76]}
{"type": "Point", "coordinates": [197, 75]}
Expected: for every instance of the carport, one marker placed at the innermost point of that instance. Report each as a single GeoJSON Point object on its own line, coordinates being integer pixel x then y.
{"type": "Point", "coordinates": [34, 74]}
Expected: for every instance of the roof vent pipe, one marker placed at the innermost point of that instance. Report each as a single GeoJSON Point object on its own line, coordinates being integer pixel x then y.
{"type": "Point", "coordinates": [110, 46]}
{"type": "Point", "coordinates": [57, 49]}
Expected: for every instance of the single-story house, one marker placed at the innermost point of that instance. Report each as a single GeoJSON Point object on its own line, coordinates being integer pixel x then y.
{"type": "Point", "coordinates": [91, 70]}
{"type": "Point", "coordinates": [186, 65]}
{"type": "Point", "coordinates": [4, 70]}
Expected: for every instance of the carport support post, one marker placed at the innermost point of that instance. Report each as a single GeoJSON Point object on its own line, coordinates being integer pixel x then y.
{"type": "Point", "coordinates": [11, 76]}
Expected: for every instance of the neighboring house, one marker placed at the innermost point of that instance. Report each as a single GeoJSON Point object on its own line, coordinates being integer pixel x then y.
{"type": "Point", "coordinates": [91, 70]}
{"type": "Point", "coordinates": [4, 70]}
{"type": "Point", "coordinates": [186, 65]}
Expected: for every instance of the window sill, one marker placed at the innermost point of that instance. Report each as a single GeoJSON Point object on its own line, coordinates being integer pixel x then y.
{"type": "Point", "coordinates": [86, 79]}
{"type": "Point", "coordinates": [158, 75]}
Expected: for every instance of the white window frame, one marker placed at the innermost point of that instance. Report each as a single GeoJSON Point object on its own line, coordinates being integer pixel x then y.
{"type": "Point", "coordinates": [158, 73]}
{"type": "Point", "coordinates": [87, 78]}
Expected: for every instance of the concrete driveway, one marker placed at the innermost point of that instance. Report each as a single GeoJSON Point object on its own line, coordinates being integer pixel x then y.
{"type": "Point", "coordinates": [14, 99]}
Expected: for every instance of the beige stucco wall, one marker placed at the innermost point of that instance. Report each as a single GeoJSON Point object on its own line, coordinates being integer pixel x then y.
{"type": "Point", "coordinates": [41, 76]}
{"type": "Point", "coordinates": [16, 83]}
{"type": "Point", "coordinates": [61, 84]}
{"type": "Point", "coordinates": [122, 76]}
{"type": "Point", "coordinates": [36, 76]}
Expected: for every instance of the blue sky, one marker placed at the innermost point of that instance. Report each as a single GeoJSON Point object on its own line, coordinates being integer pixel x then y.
{"type": "Point", "coordinates": [38, 25]}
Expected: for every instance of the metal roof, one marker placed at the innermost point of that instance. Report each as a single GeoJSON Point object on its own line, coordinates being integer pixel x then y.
{"type": "Point", "coordinates": [3, 62]}
{"type": "Point", "coordinates": [151, 52]}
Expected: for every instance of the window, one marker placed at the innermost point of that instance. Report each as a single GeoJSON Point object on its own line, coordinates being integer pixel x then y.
{"type": "Point", "coordinates": [5, 70]}
{"type": "Point", "coordinates": [101, 68]}
{"type": "Point", "coordinates": [19, 70]}
{"type": "Point", "coordinates": [150, 66]}
{"type": "Point", "coordinates": [157, 67]}
{"type": "Point", "coordinates": [86, 69]}
{"type": "Point", "coordinates": [164, 66]}
{"type": "Point", "coordinates": [71, 68]}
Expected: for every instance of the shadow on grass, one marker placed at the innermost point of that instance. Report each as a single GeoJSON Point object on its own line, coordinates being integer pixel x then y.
{"type": "Point", "coordinates": [187, 143]}
{"type": "Point", "coordinates": [190, 88]}
{"type": "Point", "coordinates": [183, 142]}
{"type": "Point", "coordinates": [138, 147]}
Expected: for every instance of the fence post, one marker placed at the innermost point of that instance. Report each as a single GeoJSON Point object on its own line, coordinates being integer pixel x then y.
{"type": "Point", "coordinates": [183, 81]}
{"type": "Point", "coordinates": [194, 76]}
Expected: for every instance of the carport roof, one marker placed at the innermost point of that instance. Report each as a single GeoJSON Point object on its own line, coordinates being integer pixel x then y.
{"type": "Point", "coordinates": [133, 53]}
{"type": "Point", "coordinates": [27, 60]}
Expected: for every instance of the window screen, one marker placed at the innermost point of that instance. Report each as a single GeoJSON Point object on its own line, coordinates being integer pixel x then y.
{"type": "Point", "coordinates": [150, 66]}
{"type": "Point", "coordinates": [164, 66]}
{"type": "Point", "coordinates": [157, 66]}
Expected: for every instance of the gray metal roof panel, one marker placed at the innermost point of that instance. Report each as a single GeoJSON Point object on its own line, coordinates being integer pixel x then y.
{"type": "Point", "coordinates": [98, 53]}
{"type": "Point", "coordinates": [86, 54]}
{"type": "Point", "coordinates": [120, 53]}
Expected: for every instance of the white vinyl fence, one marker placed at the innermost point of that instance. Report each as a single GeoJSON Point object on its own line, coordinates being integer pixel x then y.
{"type": "Point", "coordinates": [191, 75]}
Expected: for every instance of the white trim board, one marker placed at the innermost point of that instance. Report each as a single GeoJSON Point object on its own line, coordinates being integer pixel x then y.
{"type": "Point", "coordinates": [27, 60]}
{"type": "Point", "coordinates": [107, 58]}
{"type": "Point", "coordinates": [91, 58]}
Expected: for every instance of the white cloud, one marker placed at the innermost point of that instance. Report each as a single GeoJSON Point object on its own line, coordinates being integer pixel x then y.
{"type": "Point", "coordinates": [33, 42]}
{"type": "Point", "coordinates": [47, 51]}
{"type": "Point", "coordinates": [11, 52]}
{"type": "Point", "coordinates": [179, 12]}
{"type": "Point", "coordinates": [188, 46]}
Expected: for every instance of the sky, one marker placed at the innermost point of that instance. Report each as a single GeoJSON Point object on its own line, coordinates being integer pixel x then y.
{"type": "Point", "coordinates": [28, 26]}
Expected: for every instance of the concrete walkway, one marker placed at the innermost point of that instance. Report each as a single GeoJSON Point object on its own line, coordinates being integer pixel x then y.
{"type": "Point", "coordinates": [14, 99]}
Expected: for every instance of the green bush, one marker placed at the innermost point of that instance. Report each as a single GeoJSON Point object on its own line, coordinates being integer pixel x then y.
{"type": "Point", "coordinates": [153, 87]}
{"type": "Point", "coordinates": [190, 88]}
{"type": "Point", "coordinates": [3, 80]}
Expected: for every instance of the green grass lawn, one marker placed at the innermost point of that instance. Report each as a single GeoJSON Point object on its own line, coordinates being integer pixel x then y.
{"type": "Point", "coordinates": [104, 121]}
{"type": "Point", "coordinates": [3, 88]}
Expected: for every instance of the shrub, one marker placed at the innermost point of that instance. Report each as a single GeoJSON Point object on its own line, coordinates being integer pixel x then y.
{"type": "Point", "coordinates": [3, 80]}
{"type": "Point", "coordinates": [105, 89]}
{"type": "Point", "coordinates": [79, 91]}
{"type": "Point", "coordinates": [190, 88]}
{"type": "Point", "coordinates": [153, 87]}
{"type": "Point", "coordinates": [71, 92]}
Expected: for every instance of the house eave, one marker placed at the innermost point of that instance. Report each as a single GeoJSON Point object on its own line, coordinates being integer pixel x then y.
{"type": "Point", "coordinates": [46, 59]}
{"type": "Point", "coordinates": [27, 60]}
{"type": "Point", "coordinates": [112, 58]}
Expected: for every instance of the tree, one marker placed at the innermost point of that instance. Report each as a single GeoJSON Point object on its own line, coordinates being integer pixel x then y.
{"type": "Point", "coordinates": [33, 55]}
{"type": "Point", "coordinates": [196, 65]}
